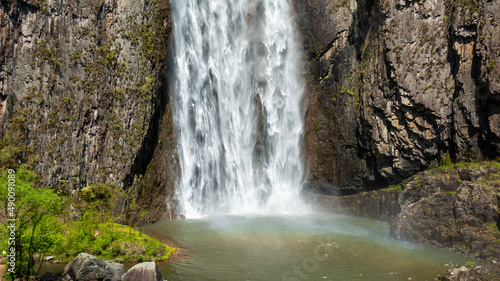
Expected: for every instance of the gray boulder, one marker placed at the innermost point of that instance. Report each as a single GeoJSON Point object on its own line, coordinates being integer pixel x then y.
{"type": "Point", "coordinates": [146, 271]}
{"type": "Point", "coordinates": [86, 267]}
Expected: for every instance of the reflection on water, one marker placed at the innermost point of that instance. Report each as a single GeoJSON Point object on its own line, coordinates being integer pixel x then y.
{"type": "Point", "coordinates": [308, 247]}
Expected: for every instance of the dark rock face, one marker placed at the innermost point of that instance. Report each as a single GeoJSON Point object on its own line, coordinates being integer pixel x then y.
{"type": "Point", "coordinates": [49, 277]}
{"type": "Point", "coordinates": [396, 86]}
{"type": "Point", "coordinates": [86, 267]}
{"type": "Point", "coordinates": [331, 116]}
{"type": "Point", "coordinates": [456, 208]}
{"type": "Point", "coordinates": [146, 271]}
{"type": "Point", "coordinates": [83, 91]}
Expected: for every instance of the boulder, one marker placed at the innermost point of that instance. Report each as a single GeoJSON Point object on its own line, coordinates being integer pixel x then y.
{"type": "Point", "coordinates": [49, 277]}
{"type": "Point", "coordinates": [146, 271]}
{"type": "Point", "coordinates": [86, 267]}
{"type": "Point", "coordinates": [454, 208]}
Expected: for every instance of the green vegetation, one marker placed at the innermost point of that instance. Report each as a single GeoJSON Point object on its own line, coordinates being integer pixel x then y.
{"type": "Point", "coordinates": [477, 164]}
{"type": "Point", "coordinates": [387, 6]}
{"type": "Point", "coordinates": [466, 10]}
{"type": "Point", "coordinates": [96, 233]}
{"type": "Point", "coordinates": [493, 63]}
{"type": "Point", "coordinates": [9, 152]}
{"type": "Point", "coordinates": [398, 58]}
{"type": "Point", "coordinates": [447, 163]}
{"type": "Point", "coordinates": [493, 227]}
{"type": "Point", "coordinates": [470, 264]}
{"type": "Point", "coordinates": [75, 56]}
{"type": "Point", "coordinates": [46, 226]}
{"type": "Point", "coordinates": [37, 229]}
{"type": "Point", "coordinates": [397, 187]}
{"type": "Point", "coordinates": [347, 91]}
{"type": "Point", "coordinates": [445, 160]}
{"type": "Point", "coordinates": [112, 241]}
{"type": "Point", "coordinates": [108, 79]}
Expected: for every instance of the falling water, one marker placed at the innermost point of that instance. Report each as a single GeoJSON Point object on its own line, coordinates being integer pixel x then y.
{"type": "Point", "coordinates": [237, 107]}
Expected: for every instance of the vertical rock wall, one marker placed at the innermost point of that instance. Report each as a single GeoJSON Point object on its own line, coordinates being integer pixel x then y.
{"type": "Point", "coordinates": [83, 88]}
{"type": "Point", "coordinates": [397, 86]}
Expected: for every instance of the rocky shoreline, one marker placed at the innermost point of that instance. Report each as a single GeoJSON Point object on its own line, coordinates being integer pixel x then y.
{"type": "Point", "coordinates": [471, 272]}
{"type": "Point", "coordinates": [89, 267]}
{"type": "Point", "coordinates": [454, 207]}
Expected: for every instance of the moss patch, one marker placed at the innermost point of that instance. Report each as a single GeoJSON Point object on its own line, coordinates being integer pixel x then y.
{"type": "Point", "coordinates": [111, 241]}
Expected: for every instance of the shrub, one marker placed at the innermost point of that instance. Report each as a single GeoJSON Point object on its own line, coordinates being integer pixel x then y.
{"type": "Point", "coordinates": [37, 228]}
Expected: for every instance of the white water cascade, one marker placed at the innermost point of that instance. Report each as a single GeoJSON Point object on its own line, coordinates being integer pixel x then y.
{"type": "Point", "coordinates": [237, 107]}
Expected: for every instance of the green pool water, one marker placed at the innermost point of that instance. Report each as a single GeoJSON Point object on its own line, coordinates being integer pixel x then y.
{"type": "Point", "coordinates": [307, 247]}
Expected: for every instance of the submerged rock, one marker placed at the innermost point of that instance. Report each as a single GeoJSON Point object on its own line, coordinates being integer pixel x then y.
{"type": "Point", "coordinates": [146, 271]}
{"type": "Point", "coordinates": [86, 267]}
{"type": "Point", "coordinates": [49, 277]}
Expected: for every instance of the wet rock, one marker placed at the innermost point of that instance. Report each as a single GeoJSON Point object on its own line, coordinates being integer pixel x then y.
{"type": "Point", "coordinates": [471, 273]}
{"type": "Point", "coordinates": [146, 271]}
{"type": "Point", "coordinates": [49, 277]}
{"type": "Point", "coordinates": [86, 267]}
{"type": "Point", "coordinates": [454, 208]}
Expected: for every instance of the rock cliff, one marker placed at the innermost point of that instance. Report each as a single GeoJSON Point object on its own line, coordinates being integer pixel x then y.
{"type": "Point", "coordinates": [83, 90]}
{"type": "Point", "coordinates": [397, 86]}
{"type": "Point", "coordinates": [393, 87]}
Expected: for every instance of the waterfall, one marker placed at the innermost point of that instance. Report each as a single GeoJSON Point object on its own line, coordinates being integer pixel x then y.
{"type": "Point", "coordinates": [237, 107]}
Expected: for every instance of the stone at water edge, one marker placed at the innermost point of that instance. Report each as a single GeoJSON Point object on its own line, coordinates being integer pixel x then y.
{"type": "Point", "coordinates": [146, 271]}
{"type": "Point", "coordinates": [49, 277]}
{"type": "Point", "coordinates": [87, 267]}
{"type": "Point", "coordinates": [479, 273]}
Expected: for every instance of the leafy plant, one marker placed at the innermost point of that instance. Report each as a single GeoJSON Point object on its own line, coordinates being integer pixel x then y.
{"type": "Point", "coordinates": [36, 229]}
